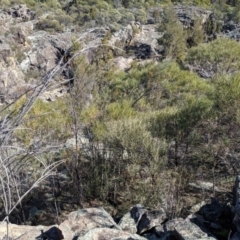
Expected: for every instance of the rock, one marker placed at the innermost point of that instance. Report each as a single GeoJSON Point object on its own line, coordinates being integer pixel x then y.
{"type": "Point", "coordinates": [167, 229]}
{"type": "Point", "coordinates": [186, 230]}
{"type": "Point", "coordinates": [22, 232]}
{"type": "Point", "coordinates": [201, 185]}
{"type": "Point", "coordinates": [81, 221]}
{"type": "Point", "coordinates": [109, 234]}
{"type": "Point", "coordinates": [21, 32]}
{"type": "Point", "coordinates": [45, 51]}
{"type": "Point", "coordinates": [21, 12]}
{"type": "Point", "coordinates": [151, 219]}
{"type": "Point", "coordinates": [52, 95]}
{"type": "Point", "coordinates": [140, 220]}
{"type": "Point", "coordinates": [82, 142]}
{"type": "Point", "coordinates": [128, 224]}
{"type": "Point", "coordinates": [231, 29]}
{"type": "Point", "coordinates": [11, 76]}
{"type": "Point", "coordinates": [212, 211]}
{"type": "Point", "coordinates": [187, 14]}
{"type": "Point", "coordinates": [122, 63]}
{"type": "Point", "coordinates": [234, 34]}
{"type": "Point", "coordinates": [192, 228]}
{"type": "Point", "coordinates": [146, 42]}
{"type": "Point", "coordinates": [5, 19]}
{"type": "Point", "coordinates": [151, 236]}
{"type": "Point", "coordinates": [195, 208]}
{"type": "Point", "coordinates": [141, 39]}
{"type": "Point", "coordinates": [5, 51]}
{"type": "Point", "coordinates": [137, 211]}
{"type": "Point", "coordinates": [229, 26]}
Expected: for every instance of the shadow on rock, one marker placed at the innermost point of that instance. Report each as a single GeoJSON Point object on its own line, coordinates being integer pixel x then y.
{"type": "Point", "coordinates": [53, 233]}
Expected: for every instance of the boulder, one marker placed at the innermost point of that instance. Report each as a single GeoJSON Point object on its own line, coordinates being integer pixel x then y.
{"type": "Point", "coordinates": [84, 220]}
{"type": "Point", "coordinates": [151, 219]}
{"type": "Point", "coordinates": [22, 232]}
{"type": "Point", "coordinates": [140, 220]}
{"type": "Point", "coordinates": [141, 39]}
{"type": "Point", "coordinates": [45, 51]}
{"type": "Point", "coordinates": [137, 211]}
{"type": "Point", "coordinates": [186, 230]}
{"type": "Point", "coordinates": [167, 229]}
{"type": "Point", "coordinates": [128, 224]}
{"type": "Point", "coordinates": [109, 234]}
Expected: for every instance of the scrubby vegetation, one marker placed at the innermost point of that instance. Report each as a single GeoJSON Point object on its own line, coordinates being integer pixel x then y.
{"type": "Point", "coordinates": [152, 129]}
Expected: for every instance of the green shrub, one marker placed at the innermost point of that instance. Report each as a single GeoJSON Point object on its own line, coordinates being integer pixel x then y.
{"type": "Point", "coordinates": [44, 117]}
{"type": "Point", "coordinates": [140, 15]}
{"type": "Point", "coordinates": [49, 24]}
{"type": "Point", "coordinates": [221, 56]}
{"type": "Point", "coordinates": [120, 110]}
{"type": "Point", "coordinates": [174, 38]}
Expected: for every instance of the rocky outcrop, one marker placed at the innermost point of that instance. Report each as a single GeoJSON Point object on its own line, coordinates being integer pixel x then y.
{"type": "Point", "coordinates": [11, 76]}
{"type": "Point", "coordinates": [139, 39]}
{"type": "Point", "coordinates": [188, 14]}
{"type": "Point", "coordinates": [138, 224]}
{"type": "Point", "coordinates": [82, 221]}
{"type": "Point", "coordinates": [45, 51]}
{"type": "Point", "coordinates": [140, 220]}
{"type": "Point", "coordinates": [21, 13]}
{"type": "Point", "coordinates": [231, 29]}
{"type": "Point", "coordinates": [33, 52]}
{"type": "Point", "coordinates": [109, 234]}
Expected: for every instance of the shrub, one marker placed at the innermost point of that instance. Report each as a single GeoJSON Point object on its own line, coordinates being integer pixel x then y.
{"type": "Point", "coordinates": [174, 38]}
{"type": "Point", "coordinates": [49, 24]}
{"type": "Point", "coordinates": [221, 56]}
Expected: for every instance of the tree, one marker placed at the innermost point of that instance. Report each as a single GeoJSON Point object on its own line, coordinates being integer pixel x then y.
{"type": "Point", "coordinates": [174, 37]}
